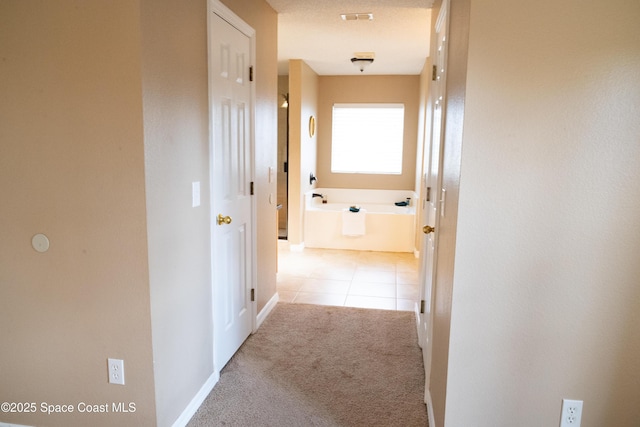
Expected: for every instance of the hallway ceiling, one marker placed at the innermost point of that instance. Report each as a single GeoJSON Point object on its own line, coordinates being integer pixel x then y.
{"type": "Point", "coordinates": [313, 31]}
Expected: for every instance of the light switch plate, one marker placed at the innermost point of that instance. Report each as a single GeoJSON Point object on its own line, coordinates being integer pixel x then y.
{"type": "Point", "coordinates": [195, 194]}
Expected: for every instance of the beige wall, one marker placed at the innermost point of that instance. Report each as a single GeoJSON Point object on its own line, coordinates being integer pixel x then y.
{"type": "Point", "coordinates": [545, 300]}
{"type": "Point", "coordinates": [303, 103]}
{"type": "Point", "coordinates": [177, 154]}
{"type": "Point", "coordinates": [72, 167]}
{"type": "Point", "coordinates": [262, 18]}
{"type": "Point", "coordinates": [176, 141]}
{"type": "Point", "coordinates": [103, 128]}
{"type": "Point", "coordinates": [354, 89]}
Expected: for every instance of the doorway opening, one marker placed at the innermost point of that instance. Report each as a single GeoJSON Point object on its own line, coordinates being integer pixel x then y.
{"type": "Point", "coordinates": [283, 157]}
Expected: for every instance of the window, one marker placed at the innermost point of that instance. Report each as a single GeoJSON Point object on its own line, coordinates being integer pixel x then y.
{"type": "Point", "coordinates": [367, 138]}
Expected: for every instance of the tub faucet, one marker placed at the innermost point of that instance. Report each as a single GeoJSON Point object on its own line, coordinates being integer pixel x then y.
{"type": "Point", "coordinates": [316, 195]}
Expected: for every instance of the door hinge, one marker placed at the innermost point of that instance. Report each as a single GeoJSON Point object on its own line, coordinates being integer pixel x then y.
{"type": "Point", "coordinates": [251, 73]}
{"type": "Point", "coordinates": [434, 73]}
{"type": "Point", "coordinates": [253, 294]}
{"type": "Point", "coordinates": [286, 167]}
{"type": "Point", "coordinates": [422, 307]}
{"type": "Point", "coordinates": [428, 194]}
{"type": "Point", "coordinates": [251, 189]}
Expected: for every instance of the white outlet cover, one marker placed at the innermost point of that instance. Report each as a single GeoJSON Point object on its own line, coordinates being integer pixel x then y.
{"type": "Point", "coordinates": [116, 371]}
{"type": "Point", "coordinates": [571, 413]}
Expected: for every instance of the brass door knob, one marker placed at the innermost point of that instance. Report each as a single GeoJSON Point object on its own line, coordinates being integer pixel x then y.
{"type": "Point", "coordinates": [223, 219]}
{"type": "Point", "coordinates": [428, 229]}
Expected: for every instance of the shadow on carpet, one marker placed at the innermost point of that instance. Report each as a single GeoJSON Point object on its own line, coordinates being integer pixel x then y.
{"type": "Point", "coordinates": [314, 365]}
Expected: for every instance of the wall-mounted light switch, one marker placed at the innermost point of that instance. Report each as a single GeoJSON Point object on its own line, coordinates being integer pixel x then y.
{"type": "Point", "coordinates": [195, 194]}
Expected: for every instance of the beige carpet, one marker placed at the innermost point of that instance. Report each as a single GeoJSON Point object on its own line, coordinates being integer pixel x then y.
{"type": "Point", "coordinates": [314, 365]}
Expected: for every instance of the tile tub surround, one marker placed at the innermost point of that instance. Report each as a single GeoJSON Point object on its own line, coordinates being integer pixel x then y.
{"type": "Point", "coordinates": [365, 279]}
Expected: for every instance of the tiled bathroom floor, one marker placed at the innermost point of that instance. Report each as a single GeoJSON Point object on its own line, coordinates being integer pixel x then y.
{"type": "Point", "coordinates": [381, 280]}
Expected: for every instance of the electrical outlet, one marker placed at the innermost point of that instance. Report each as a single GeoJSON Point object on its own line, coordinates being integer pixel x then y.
{"type": "Point", "coordinates": [116, 371]}
{"type": "Point", "coordinates": [571, 413]}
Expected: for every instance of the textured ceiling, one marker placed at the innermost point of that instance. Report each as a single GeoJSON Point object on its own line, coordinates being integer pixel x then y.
{"type": "Point", "coordinates": [313, 31]}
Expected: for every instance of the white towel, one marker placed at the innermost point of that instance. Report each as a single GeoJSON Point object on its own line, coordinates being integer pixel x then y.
{"type": "Point", "coordinates": [353, 222]}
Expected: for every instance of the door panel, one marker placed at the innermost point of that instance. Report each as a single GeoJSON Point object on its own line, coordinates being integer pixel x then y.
{"type": "Point", "coordinates": [232, 236]}
{"type": "Point", "coordinates": [433, 180]}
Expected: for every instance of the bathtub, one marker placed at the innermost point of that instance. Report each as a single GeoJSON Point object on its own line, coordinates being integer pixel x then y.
{"type": "Point", "coordinates": [389, 228]}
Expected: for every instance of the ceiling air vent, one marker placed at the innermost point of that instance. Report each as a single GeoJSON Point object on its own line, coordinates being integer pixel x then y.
{"type": "Point", "coordinates": [357, 16]}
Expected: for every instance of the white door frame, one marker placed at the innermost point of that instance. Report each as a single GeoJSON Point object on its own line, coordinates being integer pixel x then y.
{"type": "Point", "coordinates": [215, 6]}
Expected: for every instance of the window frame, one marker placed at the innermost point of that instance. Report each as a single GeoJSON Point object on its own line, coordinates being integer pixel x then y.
{"type": "Point", "coordinates": [371, 130]}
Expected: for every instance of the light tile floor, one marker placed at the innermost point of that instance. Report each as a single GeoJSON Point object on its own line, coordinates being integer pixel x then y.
{"type": "Point", "coordinates": [380, 280]}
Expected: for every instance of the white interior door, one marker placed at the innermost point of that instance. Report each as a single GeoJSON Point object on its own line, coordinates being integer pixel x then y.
{"type": "Point", "coordinates": [231, 201]}
{"type": "Point", "coordinates": [433, 202]}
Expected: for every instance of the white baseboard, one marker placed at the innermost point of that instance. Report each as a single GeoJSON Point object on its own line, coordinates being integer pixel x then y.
{"type": "Point", "coordinates": [283, 245]}
{"type": "Point", "coordinates": [204, 391]}
{"type": "Point", "coordinates": [266, 310]}
{"type": "Point", "coordinates": [12, 425]}
{"type": "Point", "coordinates": [427, 400]}
{"type": "Point", "coordinates": [197, 400]}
